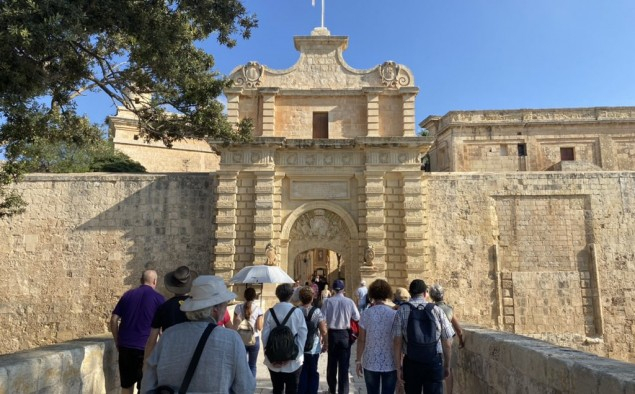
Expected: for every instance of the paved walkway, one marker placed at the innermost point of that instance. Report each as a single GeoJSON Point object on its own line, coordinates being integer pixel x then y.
{"type": "Point", "coordinates": [357, 386]}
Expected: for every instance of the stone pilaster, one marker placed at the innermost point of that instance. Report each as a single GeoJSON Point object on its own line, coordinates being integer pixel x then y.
{"type": "Point", "coordinates": [268, 111]}
{"type": "Point", "coordinates": [225, 233]}
{"type": "Point", "coordinates": [233, 105]}
{"type": "Point", "coordinates": [372, 111]}
{"type": "Point", "coordinates": [375, 219]}
{"type": "Point", "coordinates": [409, 121]}
{"type": "Point", "coordinates": [414, 224]}
{"type": "Point", "coordinates": [263, 215]}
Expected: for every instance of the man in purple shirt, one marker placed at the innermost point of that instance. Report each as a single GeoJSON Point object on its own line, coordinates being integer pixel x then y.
{"type": "Point", "coordinates": [130, 326]}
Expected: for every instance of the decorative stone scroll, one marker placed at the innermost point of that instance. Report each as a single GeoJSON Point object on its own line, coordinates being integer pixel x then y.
{"type": "Point", "coordinates": [392, 76]}
{"type": "Point", "coordinates": [319, 224]}
{"type": "Point", "coordinates": [251, 77]}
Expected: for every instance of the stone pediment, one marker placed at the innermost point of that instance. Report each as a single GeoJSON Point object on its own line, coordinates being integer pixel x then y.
{"type": "Point", "coordinates": [322, 66]}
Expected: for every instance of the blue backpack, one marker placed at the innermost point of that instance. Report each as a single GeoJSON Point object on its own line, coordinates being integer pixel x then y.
{"type": "Point", "coordinates": [422, 334]}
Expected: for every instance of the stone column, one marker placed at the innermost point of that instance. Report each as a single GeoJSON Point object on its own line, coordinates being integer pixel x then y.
{"type": "Point", "coordinates": [409, 122]}
{"type": "Point", "coordinates": [372, 111]}
{"type": "Point", "coordinates": [268, 110]}
{"type": "Point", "coordinates": [375, 221]}
{"type": "Point", "coordinates": [414, 224]}
{"type": "Point", "coordinates": [263, 215]}
{"type": "Point", "coordinates": [225, 232]}
{"type": "Point", "coordinates": [233, 103]}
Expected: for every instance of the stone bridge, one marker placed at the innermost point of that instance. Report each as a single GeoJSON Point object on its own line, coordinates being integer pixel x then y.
{"type": "Point", "coordinates": [491, 362]}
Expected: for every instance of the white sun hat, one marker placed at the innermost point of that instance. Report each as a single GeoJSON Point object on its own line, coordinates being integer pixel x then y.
{"type": "Point", "coordinates": [207, 290]}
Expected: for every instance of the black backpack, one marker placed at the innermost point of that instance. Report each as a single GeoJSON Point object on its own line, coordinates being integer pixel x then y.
{"type": "Point", "coordinates": [281, 342]}
{"type": "Point", "coordinates": [422, 334]}
{"type": "Point", "coordinates": [312, 329]}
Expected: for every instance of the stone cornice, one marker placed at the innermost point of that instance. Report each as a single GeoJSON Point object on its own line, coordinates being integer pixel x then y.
{"type": "Point", "coordinates": [527, 117]}
{"type": "Point", "coordinates": [358, 142]}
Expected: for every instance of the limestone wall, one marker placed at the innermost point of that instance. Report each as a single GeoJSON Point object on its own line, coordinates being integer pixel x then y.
{"type": "Point", "coordinates": [83, 366]}
{"type": "Point", "coordinates": [497, 362]}
{"type": "Point", "coordinates": [85, 239]}
{"type": "Point", "coordinates": [544, 254]}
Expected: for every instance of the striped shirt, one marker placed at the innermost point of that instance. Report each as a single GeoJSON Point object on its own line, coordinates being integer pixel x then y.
{"type": "Point", "coordinates": [400, 324]}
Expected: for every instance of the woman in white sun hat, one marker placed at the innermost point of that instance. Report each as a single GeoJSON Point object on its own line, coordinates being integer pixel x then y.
{"type": "Point", "coordinates": [222, 367]}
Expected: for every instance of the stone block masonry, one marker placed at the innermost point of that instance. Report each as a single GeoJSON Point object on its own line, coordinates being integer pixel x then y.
{"type": "Point", "coordinates": [544, 254]}
{"type": "Point", "coordinates": [85, 239]}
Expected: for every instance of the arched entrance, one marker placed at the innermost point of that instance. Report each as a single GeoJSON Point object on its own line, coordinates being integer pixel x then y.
{"type": "Point", "coordinates": [325, 227]}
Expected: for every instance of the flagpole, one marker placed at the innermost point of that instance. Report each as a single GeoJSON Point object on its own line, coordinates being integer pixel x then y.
{"type": "Point", "coordinates": [323, 14]}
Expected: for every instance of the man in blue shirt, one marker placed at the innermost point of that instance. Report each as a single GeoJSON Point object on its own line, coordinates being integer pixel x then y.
{"type": "Point", "coordinates": [338, 310]}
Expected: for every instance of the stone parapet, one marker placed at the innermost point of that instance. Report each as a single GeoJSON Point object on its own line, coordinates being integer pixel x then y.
{"type": "Point", "coordinates": [498, 362]}
{"type": "Point", "coordinates": [83, 366]}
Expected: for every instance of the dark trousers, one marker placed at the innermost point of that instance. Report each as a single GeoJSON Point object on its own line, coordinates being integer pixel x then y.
{"type": "Point", "coordinates": [339, 357]}
{"type": "Point", "coordinates": [252, 355]}
{"type": "Point", "coordinates": [285, 382]}
{"type": "Point", "coordinates": [427, 377]}
{"type": "Point", "coordinates": [310, 377]}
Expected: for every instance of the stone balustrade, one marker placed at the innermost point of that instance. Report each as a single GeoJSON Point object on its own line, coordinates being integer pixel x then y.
{"type": "Point", "coordinates": [501, 362]}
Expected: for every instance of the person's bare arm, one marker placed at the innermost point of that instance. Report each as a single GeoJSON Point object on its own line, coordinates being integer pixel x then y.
{"type": "Point", "coordinates": [151, 343]}
{"type": "Point", "coordinates": [447, 355]}
{"type": "Point", "coordinates": [260, 322]}
{"type": "Point", "coordinates": [324, 337]}
{"type": "Point", "coordinates": [459, 332]}
{"type": "Point", "coordinates": [114, 328]}
{"type": "Point", "coordinates": [396, 351]}
{"type": "Point", "coordinates": [361, 344]}
{"type": "Point", "coordinates": [237, 320]}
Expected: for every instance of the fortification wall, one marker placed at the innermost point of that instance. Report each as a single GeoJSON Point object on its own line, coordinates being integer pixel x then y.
{"type": "Point", "coordinates": [85, 239]}
{"type": "Point", "coordinates": [500, 362]}
{"type": "Point", "coordinates": [548, 255]}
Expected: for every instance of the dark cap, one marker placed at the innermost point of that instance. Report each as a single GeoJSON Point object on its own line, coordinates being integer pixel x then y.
{"type": "Point", "coordinates": [417, 287]}
{"type": "Point", "coordinates": [338, 285]}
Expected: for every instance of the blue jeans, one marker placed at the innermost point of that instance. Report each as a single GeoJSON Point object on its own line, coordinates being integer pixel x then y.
{"type": "Point", "coordinates": [339, 357]}
{"type": "Point", "coordinates": [386, 380]}
{"type": "Point", "coordinates": [309, 377]}
{"type": "Point", "coordinates": [252, 355]}
{"type": "Point", "coordinates": [427, 377]}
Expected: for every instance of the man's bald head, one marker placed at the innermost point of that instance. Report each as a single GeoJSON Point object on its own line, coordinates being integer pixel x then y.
{"type": "Point", "coordinates": [149, 277]}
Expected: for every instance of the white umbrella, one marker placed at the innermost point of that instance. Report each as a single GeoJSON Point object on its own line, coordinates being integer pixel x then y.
{"type": "Point", "coordinates": [261, 274]}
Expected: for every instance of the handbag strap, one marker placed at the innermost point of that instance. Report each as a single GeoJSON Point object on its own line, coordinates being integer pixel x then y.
{"type": "Point", "coordinates": [197, 355]}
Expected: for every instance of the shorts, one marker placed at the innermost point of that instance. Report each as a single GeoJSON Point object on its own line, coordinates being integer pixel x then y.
{"type": "Point", "coordinates": [130, 366]}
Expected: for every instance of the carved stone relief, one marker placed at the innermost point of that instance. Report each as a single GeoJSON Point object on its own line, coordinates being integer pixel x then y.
{"type": "Point", "coordinates": [319, 224]}
{"type": "Point", "coordinates": [392, 75]}
{"type": "Point", "coordinates": [251, 77]}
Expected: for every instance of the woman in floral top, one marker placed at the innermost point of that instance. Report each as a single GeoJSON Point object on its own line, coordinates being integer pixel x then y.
{"type": "Point", "coordinates": [374, 345]}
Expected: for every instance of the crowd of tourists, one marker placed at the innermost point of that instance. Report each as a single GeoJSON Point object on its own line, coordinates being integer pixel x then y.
{"type": "Point", "coordinates": [403, 340]}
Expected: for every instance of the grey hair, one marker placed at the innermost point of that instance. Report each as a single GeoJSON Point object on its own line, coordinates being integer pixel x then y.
{"type": "Point", "coordinates": [200, 314]}
{"type": "Point", "coordinates": [436, 292]}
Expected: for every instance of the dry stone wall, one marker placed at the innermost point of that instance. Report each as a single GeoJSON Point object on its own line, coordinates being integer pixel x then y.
{"type": "Point", "coordinates": [85, 239]}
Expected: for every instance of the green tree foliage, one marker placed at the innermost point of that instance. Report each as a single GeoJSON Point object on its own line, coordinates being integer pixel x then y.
{"type": "Point", "coordinates": [141, 53]}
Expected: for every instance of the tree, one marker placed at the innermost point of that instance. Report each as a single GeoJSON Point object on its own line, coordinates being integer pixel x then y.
{"type": "Point", "coordinates": [141, 53]}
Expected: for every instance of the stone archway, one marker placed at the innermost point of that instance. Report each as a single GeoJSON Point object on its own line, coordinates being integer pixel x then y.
{"type": "Point", "coordinates": [321, 225]}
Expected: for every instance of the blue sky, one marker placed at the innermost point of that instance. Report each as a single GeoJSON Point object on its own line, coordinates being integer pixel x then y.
{"type": "Point", "coordinates": [465, 55]}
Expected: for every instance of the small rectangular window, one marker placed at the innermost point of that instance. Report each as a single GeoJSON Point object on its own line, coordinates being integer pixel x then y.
{"type": "Point", "coordinates": [522, 149]}
{"type": "Point", "coordinates": [320, 125]}
{"type": "Point", "coordinates": [567, 154]}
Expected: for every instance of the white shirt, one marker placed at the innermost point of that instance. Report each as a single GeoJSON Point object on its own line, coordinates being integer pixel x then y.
{"type": "Point", "coordinates": [377, 321]}
{"type": "Point", "coordinates": [297, 324]}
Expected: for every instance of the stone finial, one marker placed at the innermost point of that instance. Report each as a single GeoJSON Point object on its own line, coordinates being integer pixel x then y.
{"type": "Point", "coordinates": [369, 256]}
{"type": "Point", "coordinates": [391, 75]}
{"type": "Point", "coordinates": [272, 254]}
